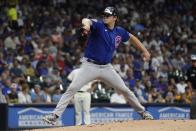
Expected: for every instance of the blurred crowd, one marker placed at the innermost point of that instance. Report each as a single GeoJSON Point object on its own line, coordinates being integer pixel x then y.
{"type": "Point", "coordinates": [40, 46]}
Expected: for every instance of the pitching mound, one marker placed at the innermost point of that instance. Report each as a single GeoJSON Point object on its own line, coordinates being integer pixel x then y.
{"type": "Point", "coordinates": [139, 125]}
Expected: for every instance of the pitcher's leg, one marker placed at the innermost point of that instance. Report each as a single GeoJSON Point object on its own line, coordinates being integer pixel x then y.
{"type": "Point", "coordinates": [111, 76]}
{"type": "Point", "coordinates": [85, 75]}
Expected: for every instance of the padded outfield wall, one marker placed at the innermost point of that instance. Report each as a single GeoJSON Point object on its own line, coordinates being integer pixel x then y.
{"type": "Point", "coordinates": [29, 116]}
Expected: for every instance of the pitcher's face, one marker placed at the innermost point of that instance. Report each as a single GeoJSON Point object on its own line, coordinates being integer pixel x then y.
{"type": "Point", "coordinates": [109, 19]}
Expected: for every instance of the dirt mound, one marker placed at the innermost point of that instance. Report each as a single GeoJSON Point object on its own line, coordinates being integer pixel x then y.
{"type": "Point", "coordinates": [136, 125]}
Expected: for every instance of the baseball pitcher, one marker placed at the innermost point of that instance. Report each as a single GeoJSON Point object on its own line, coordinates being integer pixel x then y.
{"type": "Point", "coordinates": [104, 37]}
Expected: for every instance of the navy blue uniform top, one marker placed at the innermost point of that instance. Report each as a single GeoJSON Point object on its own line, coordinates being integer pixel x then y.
{"type": "Point", "coordinates": [103, 41]}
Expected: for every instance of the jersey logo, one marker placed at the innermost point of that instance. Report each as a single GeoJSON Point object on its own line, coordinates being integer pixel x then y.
{"type": "Point", "coordinates": [117, 41]}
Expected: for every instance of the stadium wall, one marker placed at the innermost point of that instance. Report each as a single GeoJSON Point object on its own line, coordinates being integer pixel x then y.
{"type": "Point", "coordinates": [19, 116]}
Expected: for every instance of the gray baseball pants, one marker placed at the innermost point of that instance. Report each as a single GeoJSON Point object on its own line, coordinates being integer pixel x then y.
{"type": "Point", "coordinates": [88, 72]}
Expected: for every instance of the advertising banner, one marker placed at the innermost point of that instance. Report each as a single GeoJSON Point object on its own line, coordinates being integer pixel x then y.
{"type": "Point", "coordinates": [170, 113]}
{"type": "Point", "coordinates": [31, 117]}
{"type": "Point", "coordinates": [110, 114]}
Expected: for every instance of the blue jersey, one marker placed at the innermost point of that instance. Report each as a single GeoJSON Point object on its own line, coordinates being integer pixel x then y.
{"type": "Point", "coordinates": [103, 41]}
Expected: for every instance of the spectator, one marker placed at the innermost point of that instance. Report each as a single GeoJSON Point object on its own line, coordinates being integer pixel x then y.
{"type": "Point", "coordinates": [54, 77]}
{"type": "Point", "coordinates": [181, 85]}
{"type": "Point", "coordinates": [29, 71]}
{"type": "Point", "coordinates": [130, 80]}
{"type": "Point", "coordinates": [159, 99]}
{"type": "Point", "coordinates": [13, 96]}
{"type": "Point", "coordinates": [13, 16]}
{"type": "Point", "coordinates": [117, 98]}
{"type": "Point", "coordinates": [15, 70]}
{"type": "Point", "coordinates": [57, 95]}
{"type": "Point", "coordinates": [28, 47]}
{"type": "Point", "coordinates": [161, 85]}
{"type": "Point", "coordinates": [6, 88]}
{"type": "Point", "coordinates": [178, 97]}
{"type": "Point", "coordinates": [169, 97]}
{"type": "Point", "coordinates": [46, 95]}
{"type": "Point", "coordinates": [187, 95]}
{"type": "Point", "coordinates": [42, 69]}
{"type": "Point", "coordinates": [36, 94]}
{"type": "Point", "coordinates": [24, 96]}
{"type": "Point", "coordinates": [123, 67]}
{"type": "Point", "coordinates": [137, 68]}
{"type": "Point", "coordinates": [155, 64]}
{"type": "Point", "coordinates": [2, 97]}
{"type": "Point", "coordinates": [152, 95]}
{"type": "Point", "coordinates": [9, 42]}
{"type": "Point", "coordinates": [139, 91]}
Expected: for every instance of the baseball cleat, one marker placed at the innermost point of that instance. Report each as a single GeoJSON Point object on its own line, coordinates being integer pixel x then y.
{"type": "Point", "coordinates": [50, 119]}
{"type": "Point", "coordinates": [146, 116]}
